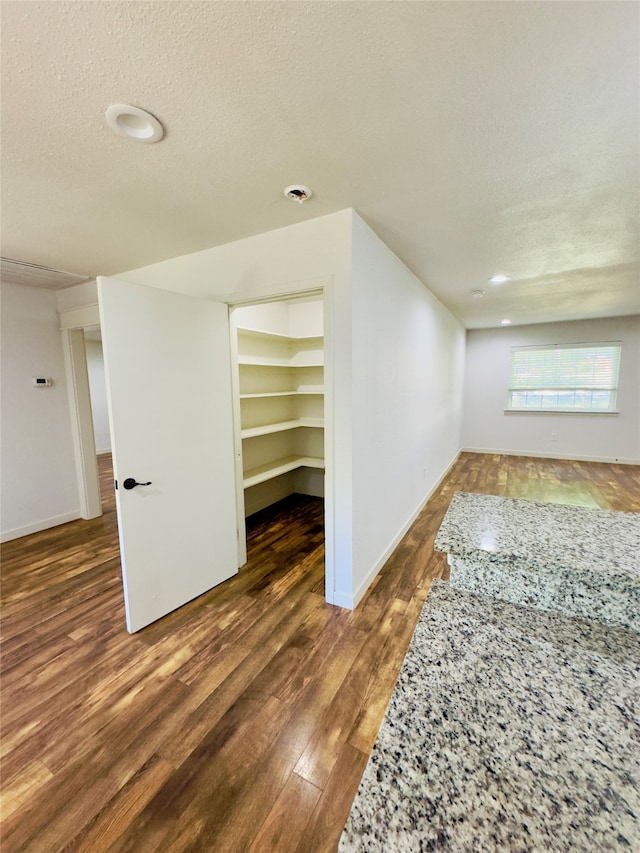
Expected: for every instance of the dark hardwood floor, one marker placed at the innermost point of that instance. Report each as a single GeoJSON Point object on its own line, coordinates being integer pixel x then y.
{"type": "Point", "coordinates": [241, 722]}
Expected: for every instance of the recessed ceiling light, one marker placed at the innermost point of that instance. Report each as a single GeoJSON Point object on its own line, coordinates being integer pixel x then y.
{"type": "Point", "coordinates": [134, 123]}
{"type": "Point", "coordinates": [505, 322]}
{"type": "Point", "coordinates": [477, 294]}
{"type": "Point", "coordinates": [499, 278]}
{"type": "Point", "coordinates": [298, 192]}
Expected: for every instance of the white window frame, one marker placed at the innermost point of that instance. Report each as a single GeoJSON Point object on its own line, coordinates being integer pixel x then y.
{"type": "Point", "coordinates": [554, 383]}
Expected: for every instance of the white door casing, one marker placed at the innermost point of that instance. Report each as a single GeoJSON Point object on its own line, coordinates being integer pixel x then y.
{"type": "Point", "coordinates": [84, 446]}
{"type": "Point", "coordinates": [168, 374]}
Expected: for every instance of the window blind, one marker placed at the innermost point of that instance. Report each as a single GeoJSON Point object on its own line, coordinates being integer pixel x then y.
{"type": "Point", "coordinates": [565, 377]}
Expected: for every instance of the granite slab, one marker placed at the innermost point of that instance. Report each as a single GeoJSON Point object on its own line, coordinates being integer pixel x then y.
{"type": "Point", "coordinates": [613, 599]}
{"type": "Point", "coordinates": [541, 534]}
{"type": "Point", "coordinates": [509, 729]}
{"type": "Point", "coordinates": [576, 560]}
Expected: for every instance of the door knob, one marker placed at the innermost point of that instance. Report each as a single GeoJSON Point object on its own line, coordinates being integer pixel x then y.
{"type": "Point", "coordinates": [130, 483]}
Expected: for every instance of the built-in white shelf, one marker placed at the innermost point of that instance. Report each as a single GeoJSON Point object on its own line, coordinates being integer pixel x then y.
{"type": "Point", "coordinates": [318, 392]}
{"type": "Point", "coordinates": [266, 429]}
{"type": "Point", "coordinates": [281, 389]}
{"type": "Point", "coordinates": [281, 466]}
{"type": "Point", "coordinates": [276, 336]}
{"type": "Point", "coordinates": [257, 362]}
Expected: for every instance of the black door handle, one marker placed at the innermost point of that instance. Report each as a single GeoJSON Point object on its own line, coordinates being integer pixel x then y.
{"type": "Point", "coordinates": [130, 483]}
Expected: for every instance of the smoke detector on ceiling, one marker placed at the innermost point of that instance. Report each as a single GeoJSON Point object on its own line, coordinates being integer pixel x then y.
{"type": "Point", "coordinates": [477, 294]}
{"type": "Point", "coordinates": [298, 192]}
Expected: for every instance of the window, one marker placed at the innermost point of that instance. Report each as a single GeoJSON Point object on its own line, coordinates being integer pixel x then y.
{"type": "Point", "coordinates": [564, 378]}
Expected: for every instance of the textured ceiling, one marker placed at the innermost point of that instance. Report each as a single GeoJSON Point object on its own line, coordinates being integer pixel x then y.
{"type": "Point", "coordinates": [474, 137]}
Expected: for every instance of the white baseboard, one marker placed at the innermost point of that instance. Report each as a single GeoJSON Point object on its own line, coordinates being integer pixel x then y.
{"type": "Point", "coordinates": [37, 526]}
{"type": "Point", "coordinates": [352, 601]}
{"type": "Point", "coordinates": [492, 451]}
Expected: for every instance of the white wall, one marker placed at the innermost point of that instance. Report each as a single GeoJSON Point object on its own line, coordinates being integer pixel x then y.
{"type": "Point", "coordinates": [408, 366]}
{"type": "Point", "coordinates": [78, 296]}
{"type": "Point", "coordinates": [268, 316]}
{"type": "Point", "coordinates": [98, 390]}
{"type": "Point", "coordinates": [487, 428]}
{"type": "Point", "coordinates": [38, 478]}
{"type": "Point", "coordinates": [306, 318]}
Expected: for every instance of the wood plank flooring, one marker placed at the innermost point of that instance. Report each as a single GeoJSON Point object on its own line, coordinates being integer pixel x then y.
{"type": "Point", "coordinates": [241, 722]}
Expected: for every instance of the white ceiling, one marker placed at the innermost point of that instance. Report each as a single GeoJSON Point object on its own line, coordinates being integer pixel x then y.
{"type": "Point", "coordinates": [474, 137]}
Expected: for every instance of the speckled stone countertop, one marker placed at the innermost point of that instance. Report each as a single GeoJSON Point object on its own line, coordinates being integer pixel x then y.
{"type": "Point", "coordinates": [509, 729]}
{"type": "Point", "coordinates": [541, 534]}
{"type": "Point", "coordinates": [574, 560]}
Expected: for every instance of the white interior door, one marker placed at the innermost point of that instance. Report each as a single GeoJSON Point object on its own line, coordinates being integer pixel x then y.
{"type": "Point", "coordinates": [168, 375]}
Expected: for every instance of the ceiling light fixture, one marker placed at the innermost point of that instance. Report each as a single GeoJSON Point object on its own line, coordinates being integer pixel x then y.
{"type": "Point", "coordinates": [505, 322]}
{"type": "Point", "coordinates": [499, 278]}
{"type": "Point", "coordinates": [134, 123]}
{"type": "Point", "coordinates": [298, 192]}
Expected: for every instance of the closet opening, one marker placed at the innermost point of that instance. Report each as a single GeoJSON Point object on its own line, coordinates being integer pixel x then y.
{"type": "Point", "coordinates": [278, 372]}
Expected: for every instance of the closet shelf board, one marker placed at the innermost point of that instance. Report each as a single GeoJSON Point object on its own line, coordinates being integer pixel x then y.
{"type": "Point", "coordinates": [281, 466]}
{"type": "Point", "coordinates": [282, 426]}
{"type": "Point", "coordinates": [246, 362]}
{"type": "Point", "coordinates": [317, 392]}
{"type": "Point", "coordinates": [276, 336]}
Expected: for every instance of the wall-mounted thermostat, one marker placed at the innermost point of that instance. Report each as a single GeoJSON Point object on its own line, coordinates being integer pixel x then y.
{"type": "Point", "coordinates": [42, 381]}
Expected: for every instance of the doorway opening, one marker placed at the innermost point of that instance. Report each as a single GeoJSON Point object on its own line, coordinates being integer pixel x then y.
{"type": "Point", "coordinates": [305, 475]}
{"type": "Point", "coordinates": [278, 361]}
{"type": "Point", "coordinates": [99, 412]}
